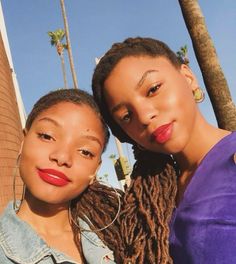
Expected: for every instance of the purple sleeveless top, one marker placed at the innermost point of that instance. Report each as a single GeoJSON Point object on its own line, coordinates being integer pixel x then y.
{"type": "Point", "coordinates": [203, 227]}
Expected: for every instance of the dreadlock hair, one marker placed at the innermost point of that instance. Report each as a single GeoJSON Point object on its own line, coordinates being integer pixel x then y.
{"type": "Point", "coordinates": [98, 206]}
{"type": "Point", "coordinates": [149, 201]}
{"type": "Point", "coordinates": [98, 203]}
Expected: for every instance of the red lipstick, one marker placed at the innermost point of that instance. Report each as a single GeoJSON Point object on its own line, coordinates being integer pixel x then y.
{"type": "Point", "coordinates": [53, 177]}
{"type": "Point", "coordinates": [163, 133]}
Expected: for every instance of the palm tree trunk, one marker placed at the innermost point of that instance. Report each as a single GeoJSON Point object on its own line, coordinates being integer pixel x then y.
{"type": "Point", "coordinates": [212, 73]}
{"type": "Point", "coordinates": [63, 70]}
{"type": "Point", "coordinates": [69, 44]}
{"type": "Point", "coordinates": [121, 156]}
{"type": "Point", "coordinates": [119, 147]}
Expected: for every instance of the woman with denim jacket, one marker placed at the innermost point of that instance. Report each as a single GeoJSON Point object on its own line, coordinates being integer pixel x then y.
{"type": "Point", "coordinates": [64, 139]}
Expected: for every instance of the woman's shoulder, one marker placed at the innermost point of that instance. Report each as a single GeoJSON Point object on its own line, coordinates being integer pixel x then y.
{"type": "Point", "coordinates": [18, 241]}
{"type": "Point", "coordinates": [3, 222]}
{"type": "Point", "coordinates": [230, 139]}
{"type": "Point", "coordinates": [3, 257]}
{"type": "Point", "coordinates": [7, 218]}
{"type": "Point", "coordinates": [222, 151]}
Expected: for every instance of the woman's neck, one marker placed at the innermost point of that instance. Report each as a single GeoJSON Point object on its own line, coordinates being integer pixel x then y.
{"type": "Point", "coordinates": [51, 222]}
{"type": "Point", "coordinates": [44, 217]}
{"type": "Point", "coordinates": [201, 141]}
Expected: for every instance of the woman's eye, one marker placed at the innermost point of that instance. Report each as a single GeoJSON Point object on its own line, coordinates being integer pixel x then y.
{"type": "Point", "coordinates": [86, 153]}
{"type": "Point", "coordinates": [126, 118]}
{"type": "Point", "coordinates": [153, 90]}
{"type": "Point", "coordinates": [45, 136]}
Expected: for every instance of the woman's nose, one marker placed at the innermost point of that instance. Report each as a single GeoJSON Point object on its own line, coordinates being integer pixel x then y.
{"type": "Point", "coordinates": [62, 156]}
{"type": "Point", "coordinates": [146, 114]}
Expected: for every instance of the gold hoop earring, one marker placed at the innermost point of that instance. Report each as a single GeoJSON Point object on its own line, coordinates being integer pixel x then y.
{"type": "Point", "coordinates": [16, 205]}
{"type": "Point", "coordinates": [105, 227]}
{"type": "Point", "coordinates": [198, 95]}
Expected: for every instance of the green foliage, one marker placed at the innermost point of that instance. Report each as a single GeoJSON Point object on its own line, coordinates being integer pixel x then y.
{"type": "Point", "coordinates": [57, 37]}
{"type": "Point", "coordinates": [112, 156]}
{"type": "Point", "coordinates": [182, 54]}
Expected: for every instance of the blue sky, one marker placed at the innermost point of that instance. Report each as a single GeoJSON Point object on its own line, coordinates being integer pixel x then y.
{"type": "Point", "coordinates": [94, 26]}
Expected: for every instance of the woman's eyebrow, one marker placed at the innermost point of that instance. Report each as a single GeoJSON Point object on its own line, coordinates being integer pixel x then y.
{"type": "Point", "coordinates": [93, 138]}
{"type": "Point", "coordinates": [144, 76]}
{"type": "Point", "coordinates": [48, 119]}
{"type": "Point", "coordinates": [139, 84]}
{"type": "Point", "coordinates": [117, 107]}
{"type": "Point", "coordinates": [90, 137]}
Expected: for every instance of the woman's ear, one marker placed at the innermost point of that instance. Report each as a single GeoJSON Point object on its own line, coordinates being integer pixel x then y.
{"type": "Point", "coordinates": [189, 76]}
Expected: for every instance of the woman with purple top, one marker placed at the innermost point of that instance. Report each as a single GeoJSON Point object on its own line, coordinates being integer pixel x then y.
{"type": "Point", "coordinates": [148, 98]}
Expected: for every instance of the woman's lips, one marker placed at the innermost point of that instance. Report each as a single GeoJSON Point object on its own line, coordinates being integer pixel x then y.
{"type": "Point", "coordinates": [53, 177]}
{"type": "Point", "coordinates": [163, 133]}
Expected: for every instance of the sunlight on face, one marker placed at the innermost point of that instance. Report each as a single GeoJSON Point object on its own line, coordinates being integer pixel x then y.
{"type": "Point", "coordinates": [62, 152]}
{"type": "Point", "coordinates": [155, 104]}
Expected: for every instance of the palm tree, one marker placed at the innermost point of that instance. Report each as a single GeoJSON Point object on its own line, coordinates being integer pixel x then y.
{"type": "Point", "coordinates": [57, 37]}
{"type": "Point", "coordinates": [69, 44]}
{"type": "Point", "coordinates": [212, 73]}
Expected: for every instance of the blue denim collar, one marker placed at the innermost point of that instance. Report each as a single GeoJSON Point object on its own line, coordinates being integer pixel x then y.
{"type": "Point", "coordinates": [21, 243]}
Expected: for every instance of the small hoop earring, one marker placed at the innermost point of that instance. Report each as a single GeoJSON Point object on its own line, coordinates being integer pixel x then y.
{"type": "Point", "coordinates": [105, 227]}
{"type": "Point", "coordinates": [198, 95]}
{"type": "Point", "coordinates": [16, 205]}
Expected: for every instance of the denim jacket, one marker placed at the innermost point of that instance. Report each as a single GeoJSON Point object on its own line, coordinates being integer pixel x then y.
{"type": "Point", "coordinates": [93, 248]}
{"type": "Point", "coordinates": [20, 244]}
